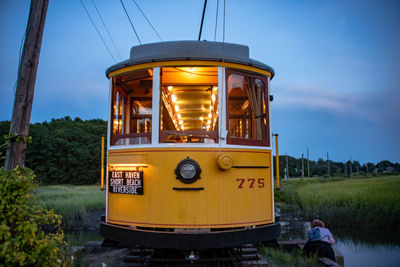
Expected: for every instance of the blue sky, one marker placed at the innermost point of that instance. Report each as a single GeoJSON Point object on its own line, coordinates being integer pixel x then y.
{"type": "Point", "coordinates": [337, 83]}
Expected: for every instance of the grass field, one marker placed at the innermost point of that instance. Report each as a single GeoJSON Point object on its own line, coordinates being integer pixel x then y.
{"type": "Point", "coordinates": [72, 201]}
{"type": "Point", "coordinates": [364, 202]}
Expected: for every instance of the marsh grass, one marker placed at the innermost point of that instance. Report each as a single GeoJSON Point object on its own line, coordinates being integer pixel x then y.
{"type": "Point", "coordinates": [361, 202]}
{"type": "Point", "coordinates": [366, 203]}
{"type": "Point", "coordinates": [283, 258]}
{"type": "Point", "coordinates": [71, 201]}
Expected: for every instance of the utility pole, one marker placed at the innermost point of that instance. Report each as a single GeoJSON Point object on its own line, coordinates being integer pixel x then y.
{"type": "Point", "coordinates": [302, 165]}
{"type": "Point", "coordinates": [308, 163]}
{"type": "Point", "coordinates": [345, 169]}
{"type": "Point", "coordinates": [27, 70]}
{"type": "Point", "coordinates": [287, 166]}
{"type": "Point", "coordinates": [329, 167]}
{"type": "Point", "coordinates": [351, 171]}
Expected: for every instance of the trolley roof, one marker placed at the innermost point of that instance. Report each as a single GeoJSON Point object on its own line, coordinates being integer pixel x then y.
{"type": "Point", "coordinates": [190, 50]}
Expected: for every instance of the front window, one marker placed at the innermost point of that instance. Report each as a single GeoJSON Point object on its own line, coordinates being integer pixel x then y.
{"type": "Point", "coordinates": [131, 108]}
{"type": "Point", "coordinates": [247, 109]}
{"type": "Point", "coordinates": [189, 105]}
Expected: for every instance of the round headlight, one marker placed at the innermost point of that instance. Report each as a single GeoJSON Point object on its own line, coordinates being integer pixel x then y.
{"type": "Point", "coordinates": [188, 171]}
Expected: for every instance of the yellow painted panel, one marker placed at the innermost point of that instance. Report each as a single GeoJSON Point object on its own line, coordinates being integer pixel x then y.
{"type": "Point", "coordinates": [231, 198]}
{"type": "Point", "coordinates": [123, 158]}
{"type": "Point", "coordinates": [188, 63]}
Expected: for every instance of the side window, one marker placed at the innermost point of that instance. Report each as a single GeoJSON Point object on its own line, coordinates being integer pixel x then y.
{"type": "Point", "coordinates": [247, 109]}
{"type": "Point", "coordinates": [131, 108]}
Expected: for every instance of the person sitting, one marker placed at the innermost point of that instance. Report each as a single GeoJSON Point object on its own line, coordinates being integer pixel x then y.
{"type": "Point", "coordinates": [319, 241]}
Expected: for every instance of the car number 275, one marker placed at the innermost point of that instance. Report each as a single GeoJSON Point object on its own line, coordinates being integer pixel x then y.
{"type": "Point", "coordinates": [250, 183]}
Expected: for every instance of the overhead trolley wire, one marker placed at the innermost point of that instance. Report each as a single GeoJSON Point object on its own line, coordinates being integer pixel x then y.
{"type": "Point", "coordinates": [97, 30]}
{"type": "Point", "coordinates": [223, 35]}
{"type": "Point", "coordinates": [148, 20]}
{"type": "Point", "coordinates": [104, 24]}
{"type": "Point", "coordinates": [130, 21]}
{"type": "Point", "coordinates": [216, 22]}
{"type": "Point", "coordinates": [202, 18]}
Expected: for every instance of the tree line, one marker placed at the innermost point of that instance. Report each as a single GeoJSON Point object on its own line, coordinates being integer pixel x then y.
{"type": "Point", "coordinates": [67, 151]}
{"type": "Point", "coordinates": [63, 151]}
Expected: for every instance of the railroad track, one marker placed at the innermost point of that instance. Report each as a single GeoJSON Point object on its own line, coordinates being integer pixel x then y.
{"type": "Point", "coordinates": [232, 257]}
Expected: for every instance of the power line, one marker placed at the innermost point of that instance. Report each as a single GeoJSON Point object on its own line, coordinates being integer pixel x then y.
{"type": "Point", "coordinates": [223, 38]}
{"type": "Point", "coordinates": [104, 24]}
{"type": "Point", "coordinates": [97, 30]}
{"type": "Point", "coordinates": [216, 22]}
{"type": "Point", "coordinates": [202, 18]}
{"type": "Point", "coordinates": [130, 21]}
{"type": "Point", "coordinates": [148, 20]}
{"type": "Point", "coordinates": [223, 35]}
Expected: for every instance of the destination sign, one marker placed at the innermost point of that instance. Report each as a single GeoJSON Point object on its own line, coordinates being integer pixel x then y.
{"type": "Point", "coordinates": [125, 182]}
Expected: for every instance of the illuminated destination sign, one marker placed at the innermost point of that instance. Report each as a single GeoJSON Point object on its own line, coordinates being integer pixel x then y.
{"type": "Point", "coordinates": [125, 182]}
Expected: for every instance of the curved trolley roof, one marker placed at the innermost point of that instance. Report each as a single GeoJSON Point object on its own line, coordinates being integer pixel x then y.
{"type": "Point", "coordinates": [190, 50]}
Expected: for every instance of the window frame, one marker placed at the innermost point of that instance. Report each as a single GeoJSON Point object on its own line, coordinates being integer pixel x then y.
{"type": "Point", "coordinates": [247, 141]}
{"type": "Point", "coordinates": [212, 134]}
{"type": "Point", "coordinates": [128, 99]}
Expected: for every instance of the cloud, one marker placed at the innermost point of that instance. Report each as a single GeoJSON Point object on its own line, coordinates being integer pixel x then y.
{"type": "Point", "coordinates": [372, 105]}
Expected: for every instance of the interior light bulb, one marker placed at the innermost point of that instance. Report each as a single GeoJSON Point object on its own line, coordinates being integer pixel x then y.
{"type": "Point", "coordinates": [173, 97]}
{"type": "Point", "coordinates": [176, 108]}
{"type": "Point", "coordinates": [201, 118]}
{"type": "Point", "coordinates": [209, 115]}
{"type": "Point", "coordinates": [213, 98]}
{"type": "Point", "coordinates": [170, 87]}
{"type": "Point", "coordinates": [179, 116]}
{"type": "Point", "coordinates": [181, 122]}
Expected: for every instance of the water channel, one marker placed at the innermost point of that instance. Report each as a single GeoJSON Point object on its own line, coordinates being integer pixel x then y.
{"type": "Point", "coordinates": [369, 248]}
{"type": "Point", "coordinates": [360, 247]}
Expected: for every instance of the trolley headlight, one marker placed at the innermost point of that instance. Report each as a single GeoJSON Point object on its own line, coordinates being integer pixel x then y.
{"type": "Point", "coordinates": [188, 171]}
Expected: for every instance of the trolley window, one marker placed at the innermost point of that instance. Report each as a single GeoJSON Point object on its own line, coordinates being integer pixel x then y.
{"type": "Point", "coordinates": [247, 118]}
{"type": "Point", "coordinates": [131, 108]}
{"type": "Point", "coordinates": [189, 105]}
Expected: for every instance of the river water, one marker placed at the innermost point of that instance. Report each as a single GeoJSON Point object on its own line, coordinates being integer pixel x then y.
{"type": "Point", "coordinates": [368, 248]}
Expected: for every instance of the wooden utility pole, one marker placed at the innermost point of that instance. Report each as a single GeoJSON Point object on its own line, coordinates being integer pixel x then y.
{"type": "Point", "coordinates": [287, 166]}
{"type": "Point", "coordinates": [351, 170]}
{"type": "Point", "coordinates": [302, 165]}
{"type": "Point", "coordinates": [27, 69]}
{"type": "Point", "coordinates": [327, 161]}
{"type": "Point", "coordinates": [308, 163]}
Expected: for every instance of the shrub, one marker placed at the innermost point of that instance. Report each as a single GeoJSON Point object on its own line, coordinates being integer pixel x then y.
{"type": "Point", "coordinates": [22, 239]}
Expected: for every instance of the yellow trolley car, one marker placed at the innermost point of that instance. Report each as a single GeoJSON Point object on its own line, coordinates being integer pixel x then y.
{"type": "Point", "coordinates": [189, 157]}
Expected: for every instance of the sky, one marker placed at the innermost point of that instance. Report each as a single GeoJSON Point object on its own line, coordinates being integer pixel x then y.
{"type": "Point", "coordinates": [337, 72]}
